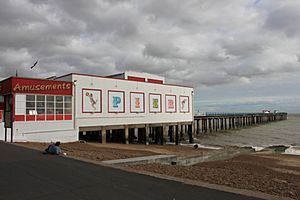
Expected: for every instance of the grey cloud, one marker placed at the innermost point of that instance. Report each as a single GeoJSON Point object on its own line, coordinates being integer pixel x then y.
{"type": "Point", "coordinates": [285, 19]}
{"type": "Point", "coordinates": [193, 42]}
{"type": "Point", "coordinates": [161, 50]}
{"type": "Point", "coordinates": [243, 47]}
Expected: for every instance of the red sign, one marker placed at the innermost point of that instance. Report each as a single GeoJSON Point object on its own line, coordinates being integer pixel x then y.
{"type": "Point", "coordinates": [36, 86]}
{"type": "Point", "coordinates": [5, 86]}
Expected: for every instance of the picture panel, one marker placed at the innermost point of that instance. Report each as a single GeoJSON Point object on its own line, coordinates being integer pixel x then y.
{"type": "Point", "coordinates": [170, 103]}
{"type": "Point", "coordinates": [137, 104]}
{"type": "Point", "coordinates": [91, 101]}
{"type": "Point", "coordinates": [116, 101]}
{"type": "Point", "coordinates": [155, 103]}
{"type": "Point", "coordinates": [184, 104]}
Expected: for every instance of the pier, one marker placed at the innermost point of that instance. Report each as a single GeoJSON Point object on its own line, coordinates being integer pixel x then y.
{"type": "Point", "coordinates": [214, 122]}
{"type": "Point", "coordinates": [177, 132]}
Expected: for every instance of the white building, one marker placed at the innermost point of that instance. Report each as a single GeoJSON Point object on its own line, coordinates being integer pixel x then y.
{"type": "Point", "coordinates": [74, 105]}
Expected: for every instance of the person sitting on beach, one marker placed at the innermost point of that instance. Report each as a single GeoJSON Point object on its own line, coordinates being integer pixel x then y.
{"type": "Point", "coordinates": [54, 149]}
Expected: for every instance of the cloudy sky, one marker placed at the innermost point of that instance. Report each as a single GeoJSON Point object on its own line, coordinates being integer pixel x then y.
{"type": "Point", "coordinates": [239, 55]}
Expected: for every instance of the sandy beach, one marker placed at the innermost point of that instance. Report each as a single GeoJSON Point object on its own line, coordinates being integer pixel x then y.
{"type": "Point", "coordinates": [270, 173]}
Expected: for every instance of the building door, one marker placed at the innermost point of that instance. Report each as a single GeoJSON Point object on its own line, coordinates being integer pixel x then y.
{"type": "Point", "coordinates": [8, 113]}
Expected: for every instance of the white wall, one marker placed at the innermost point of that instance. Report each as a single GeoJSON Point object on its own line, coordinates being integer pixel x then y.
{"type": "Point", "coordinates": [2, 131]}
{"type": "Point", "coordinates": [45, 131]}
{"type": "Point", "coordinates": [143, 75]}
{"type": "Point", "coordinates": [105, 118]}
{"type": "Point", "coordinates": [47, 136]}
{"type": "Point", "coordinates": [42, 131]}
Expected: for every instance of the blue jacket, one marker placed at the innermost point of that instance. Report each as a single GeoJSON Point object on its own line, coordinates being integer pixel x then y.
{"type": "Point", "coordinates": [53, 149]}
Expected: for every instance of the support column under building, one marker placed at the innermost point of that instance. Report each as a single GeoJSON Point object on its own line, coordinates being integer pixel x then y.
{"type": "Point", "coordinates": [126, 135]}
{"type": "Point", "coordinates": [103, 135]}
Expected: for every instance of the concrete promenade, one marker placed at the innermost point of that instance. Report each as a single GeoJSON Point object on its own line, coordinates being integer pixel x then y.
{"type": "Point", "coordinates": [27, 174]}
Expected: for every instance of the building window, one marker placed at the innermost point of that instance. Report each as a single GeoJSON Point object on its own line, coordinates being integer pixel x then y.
{"type": "Point", "coordinates": [67, 105]}
{"type": "Point", "coordinates": [59, 105]}
{"type": "Point", "coordinates": [50, 105]}
{"type": "Point", "coordinates": [30, 105]}
{"type": "Point", "coordinates": [40, 104]}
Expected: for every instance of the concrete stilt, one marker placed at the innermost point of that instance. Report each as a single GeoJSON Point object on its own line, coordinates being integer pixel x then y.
{"type": "Point", "coordinates": [103, 134]}
{"type": "Point", "coordinates": [177, 134]}
{"type": "Point", "coordinates": [126, 135]}
{"type": "Point", "coordinates": [190, 133]}
{"type": "Point", "coordinates": [165, 134]}
{"type": "Point", "coordinates": [147, 130]}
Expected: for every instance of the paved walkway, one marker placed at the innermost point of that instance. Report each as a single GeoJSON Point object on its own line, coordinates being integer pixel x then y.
{"type": "Point", "coordinates": [27, 174]}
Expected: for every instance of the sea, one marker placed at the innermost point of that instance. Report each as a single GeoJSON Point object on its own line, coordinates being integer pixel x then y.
{"type": "Point", "coordinates": [279, 133]}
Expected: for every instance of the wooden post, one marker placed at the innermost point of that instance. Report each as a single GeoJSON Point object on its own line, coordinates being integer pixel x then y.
{"type": "Point", "coordinates": [193, 129]}
{"type": "Point", "coordinates": [198, 127]}
{"type": "Point", "coordinates": [126, 135]}
{"type": "Point", "coordinates": [147, 133]}
{"type": "Point", "coordinates": [190, 133]}
{"type": "Point", "coordinates": [165, 134]}
{"type": "Point", "coordinates": [177, 134]}
{"type": "Point", "coordinates": [103, 135]}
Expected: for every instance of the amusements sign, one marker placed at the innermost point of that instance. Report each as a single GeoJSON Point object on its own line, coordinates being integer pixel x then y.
{"type": "Point", "coordinates": [155, 103]}
{"type": "Point", "coordinates": [170, 103]}
{"type": "Point", "coordinates": [137, 104]}
{"type": "Point", "coordinates": [22, 85]}
{"type": "Point", "coordinates": [91, 100]}
{"type": "Point", "coordinates": [184, 104]}
{"type": "Point", "coordinates": [116, 103]}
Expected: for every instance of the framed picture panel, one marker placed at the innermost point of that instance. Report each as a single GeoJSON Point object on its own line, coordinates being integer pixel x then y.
{"type": "Point", "coordinates": [154, 103]}
{"type": "Point", "coordinates": [137, 102]}
{"type": "Point", "coordinates": [184, 104]}
{"type": "Point", "coordinates": [91, 100]}
{"type": "Point", "coordinates": [170, 103]}
{"type": "Point", "coordinates": [116, 101]}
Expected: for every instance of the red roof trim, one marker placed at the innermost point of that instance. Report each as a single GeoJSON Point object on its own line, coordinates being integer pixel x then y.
{"type": "Point", "coordinates": [155, 81]}
{"type": "Point", "coordinates": [134, 78]}
{"type": "Point", "coordinates": [117, 79]}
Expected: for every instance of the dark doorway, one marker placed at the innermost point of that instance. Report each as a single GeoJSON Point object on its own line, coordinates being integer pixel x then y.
{"type": "Point", "coordinates": [90, 136]}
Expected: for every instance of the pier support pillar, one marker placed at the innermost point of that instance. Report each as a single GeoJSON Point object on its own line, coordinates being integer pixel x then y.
{"type": "Point", "coordinates": [126, 135]}
{"type": "Point", "coordinates": [147, 134]}
{"type": "Point", "coordinates": [171, 133]}
{"type": "Point", "coordinates": [177, 132]}
{"type": "Point", "coordinates": [164, 134]}
{"type": "Point", "coordinates": [103, 135]}
{"type": "Point", "coordinates": [190, 133]}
